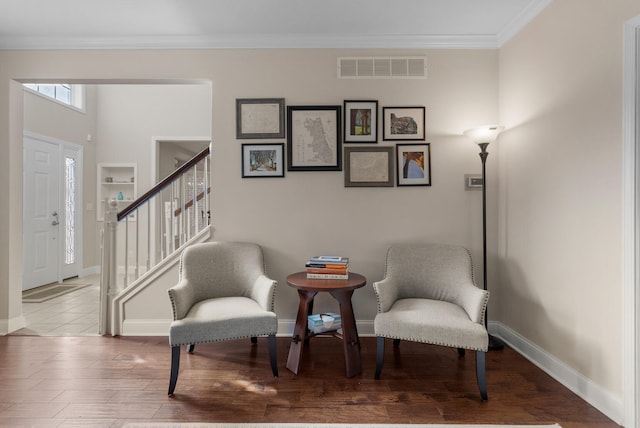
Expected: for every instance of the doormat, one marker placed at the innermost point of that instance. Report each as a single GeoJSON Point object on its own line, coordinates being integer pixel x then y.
{"type": "Point", "coordinates": [303, 425]}
{"type": "Point", "coordinates": [48, 292]}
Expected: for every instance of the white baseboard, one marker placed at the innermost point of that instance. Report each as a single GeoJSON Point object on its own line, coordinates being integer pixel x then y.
{"type": "Point", "coordinates": [91, 270]}
{"type": "Point", "coordinates": [12, 324]}
{"type": "Point", "coordinates": [141, 327]}
{"type": "Point", "coordinates": [585, 388]}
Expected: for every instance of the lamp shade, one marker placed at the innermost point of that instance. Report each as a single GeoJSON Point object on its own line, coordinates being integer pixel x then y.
{"type": "Point", "coordinates": [484, 134]}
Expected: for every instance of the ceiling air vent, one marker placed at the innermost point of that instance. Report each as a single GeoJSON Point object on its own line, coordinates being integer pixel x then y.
{"type": "Point", "coordinates": [412, 67]}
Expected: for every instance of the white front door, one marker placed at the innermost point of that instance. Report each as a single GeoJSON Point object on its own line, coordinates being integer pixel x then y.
{"type": "Point", "coordinates": [41, 224]}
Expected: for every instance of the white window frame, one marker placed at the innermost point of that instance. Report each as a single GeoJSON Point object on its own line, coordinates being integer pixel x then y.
{"type": "Point", "coordinates": [77, 95]}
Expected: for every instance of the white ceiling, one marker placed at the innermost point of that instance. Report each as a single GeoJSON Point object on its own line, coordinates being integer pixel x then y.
{"type": "Point", "coordinates": [127, 24]}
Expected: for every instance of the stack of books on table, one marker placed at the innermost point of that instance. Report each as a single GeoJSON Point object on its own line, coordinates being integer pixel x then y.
{"type": "Point", "coordinates": [319, 323]}
{"type": "Point", "coordinates": [328, 267]}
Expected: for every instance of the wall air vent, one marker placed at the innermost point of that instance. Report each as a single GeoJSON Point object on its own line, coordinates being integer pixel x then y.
{"type": "Point", "coordinates": [411, 67]}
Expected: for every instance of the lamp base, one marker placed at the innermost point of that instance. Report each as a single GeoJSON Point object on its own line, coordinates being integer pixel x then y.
{"type": "Point", "coordinates": [495, 344]}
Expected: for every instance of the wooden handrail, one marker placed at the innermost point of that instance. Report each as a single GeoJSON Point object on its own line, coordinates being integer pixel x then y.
{"type": "Point", "coordinates": [162, 184]}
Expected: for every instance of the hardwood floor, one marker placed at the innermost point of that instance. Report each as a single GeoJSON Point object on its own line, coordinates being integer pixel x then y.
{"type": "Point", "coordinates": [109, 381]}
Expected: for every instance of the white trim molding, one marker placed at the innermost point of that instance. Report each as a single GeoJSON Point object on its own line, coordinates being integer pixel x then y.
{"type": "Point", "coordinates": [140, 327]}
{"type": "Point", "coordinates": [585, 388]}
{"type": "Point", "coordinates": [461, 39]}
{"type": "Point", "coordinates": [528, 14]}
{"type": "Point", "coordinates": [630, 221]}
{"type": "Point", "coordinates": [255, 41]}
{"type": "Point", "coordinates": [12, 324]}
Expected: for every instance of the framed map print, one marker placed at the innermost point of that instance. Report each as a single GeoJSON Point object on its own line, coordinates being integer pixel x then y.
{"type": "Point", "coordinates": [259, 118]}
{"type": "Point", "coordinates": [313, 138]}
{"type": "Point", "coordinates": [368, 166]}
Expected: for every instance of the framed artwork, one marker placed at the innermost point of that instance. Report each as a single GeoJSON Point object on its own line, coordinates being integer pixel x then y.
{"type": "Point", "coordinates": [360, 121]}
{"type": "Point", "coordinates": [313, 138]}
{"type": "Point", "coordinates": [368, 166]}
{"type": "Point", "coordinates": [263, 160]}
{"type": "Point", "coordinates": [403, 123]}
{"type": "Point", "coordinates": [259, 118]}
{"type": "Point", "coordinates": [413, 164]}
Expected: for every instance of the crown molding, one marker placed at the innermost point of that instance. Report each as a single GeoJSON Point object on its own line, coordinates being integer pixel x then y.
{"type": "Point", "coordinates": [519, 22]}
{"type": "Point", "coordinates": [282, 41]}
{"type": "Point", "coordinates": [253, 41]}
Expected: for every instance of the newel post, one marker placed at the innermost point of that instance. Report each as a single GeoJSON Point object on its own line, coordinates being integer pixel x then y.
{"type": "Point", "coordinates": [108, 279]}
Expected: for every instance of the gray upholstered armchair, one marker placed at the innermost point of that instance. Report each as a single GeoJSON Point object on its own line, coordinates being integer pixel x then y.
{"type": "Point", "coordinates": [428, 295]}
{"type": "Point", "coordinates": [223, 293]}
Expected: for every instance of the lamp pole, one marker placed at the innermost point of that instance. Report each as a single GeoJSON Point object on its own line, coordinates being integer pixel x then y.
{"type": "Point", "coordinates": [494, 343]}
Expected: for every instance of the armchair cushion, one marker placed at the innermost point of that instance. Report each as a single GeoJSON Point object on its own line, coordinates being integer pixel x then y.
{"type": "Point", "coordinates": [222, 318]}
{"type": "Point", "coordinates": [431, 321]}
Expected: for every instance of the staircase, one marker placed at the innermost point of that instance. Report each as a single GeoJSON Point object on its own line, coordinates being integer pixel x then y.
{"type": "Point", "coordinates": [146, 238]}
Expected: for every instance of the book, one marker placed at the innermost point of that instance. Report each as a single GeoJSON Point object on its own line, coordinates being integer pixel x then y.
{"type": "Point", "coordinates": [325, 265]}
{"type": "Point", "coordinates": [329, 260]}
{"type": "Point", "coordinates": [319, 323]}
{"type": "Point", "coordinates": [335, 271]}
{"type": "Point", "coordinates": [326, 276]}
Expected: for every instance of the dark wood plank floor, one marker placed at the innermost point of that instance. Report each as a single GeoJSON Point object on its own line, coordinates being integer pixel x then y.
{"type": "Point", "coordinates": [107, 382]}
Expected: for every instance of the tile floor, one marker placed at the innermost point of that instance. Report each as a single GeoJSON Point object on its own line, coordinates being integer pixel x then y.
{"type": "Point", "coordinates": [72, 314]}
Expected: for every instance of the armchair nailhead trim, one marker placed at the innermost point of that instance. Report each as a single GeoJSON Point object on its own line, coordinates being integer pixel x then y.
{"type": "Point", "coordinates": [224, 340]}
{"type": "Point", "coordinates": [275, 286]}
{"type": "Point", "coordinates": [413, 339]}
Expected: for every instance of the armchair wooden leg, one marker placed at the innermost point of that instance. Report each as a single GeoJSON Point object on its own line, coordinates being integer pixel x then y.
{"type": "Point", "coordinates": [272, 354]}
{"type": "Point", "coordinates": [254, 340]}
{"type": "Point", "coordinates": [481, 374]}
{"type": "Point", "coordinates": [380, 356]}
{"type": "Point", "coordinates": [175, 366]}
{"type": "Point", "coordinates": [190, 348]}
{"type": "Point", "coordinates": [396, 342]}
{"type": "Point", "coordinates": [461, 352]}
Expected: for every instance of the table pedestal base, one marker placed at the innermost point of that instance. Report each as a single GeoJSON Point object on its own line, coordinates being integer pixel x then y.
{"type": "Point", "coordinates": [351, 341]}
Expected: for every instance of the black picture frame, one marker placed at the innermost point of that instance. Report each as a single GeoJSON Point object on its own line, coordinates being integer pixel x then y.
{"type": "Point", "coordinates": [370, 166]}
{"type": "Point", "coordinates": [314, 138]}
{"type": "Point", "coordinates": [263, 160]}
{"type": "Point", "coordinates": [360, 121]}
{"type": "Point", "coordinates": [259, 118]}
{"type": "Point", "coordinates": [403, 123]}
{"type": "Point", "coordinates": [413, 164]}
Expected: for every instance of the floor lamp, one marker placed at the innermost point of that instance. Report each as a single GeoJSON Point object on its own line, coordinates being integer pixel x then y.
{"type": "Point", "coordinates": [483, 136]}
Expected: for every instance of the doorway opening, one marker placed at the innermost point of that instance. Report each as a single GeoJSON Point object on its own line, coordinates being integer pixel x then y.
{"type": "Point", "coordinates": [107, 133]}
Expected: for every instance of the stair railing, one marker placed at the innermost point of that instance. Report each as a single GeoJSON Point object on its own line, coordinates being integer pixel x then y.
{"type": "Point", "coordinates": [152, 228]}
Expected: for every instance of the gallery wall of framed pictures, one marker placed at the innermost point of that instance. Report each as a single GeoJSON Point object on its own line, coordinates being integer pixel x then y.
{"type": "Point", "coordinates": [315, 137]}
